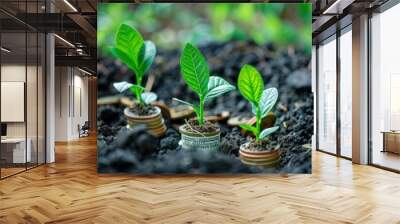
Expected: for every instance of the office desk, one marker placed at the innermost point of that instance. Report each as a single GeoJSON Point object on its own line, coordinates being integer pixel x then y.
{"type": "Point", "coordinates": [17, 148]}
{"type": "Point", "coordinates": [391, 141]}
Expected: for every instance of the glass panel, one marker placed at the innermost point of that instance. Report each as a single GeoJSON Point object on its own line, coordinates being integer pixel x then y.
{"type": "Point", "coordinates": [41, 99]}
{"type": "Point", "coordinates": [346, 94]}
{"type": "Point", "coordinates": [13, 86]}
{"type": "Point", "coordinates": [31, 99]}
{"type": "Point", "coordinates": [327, 96]}
{"type": "Point", "coordinates": [385, 84]}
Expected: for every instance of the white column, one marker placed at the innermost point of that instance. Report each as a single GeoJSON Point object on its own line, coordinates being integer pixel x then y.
{"type": "Point", "coordinates": [50, 92]}
{"type": "Point", "coordinates": [50, 109]}
{"type": "Point", "coordinates": [360, 90]}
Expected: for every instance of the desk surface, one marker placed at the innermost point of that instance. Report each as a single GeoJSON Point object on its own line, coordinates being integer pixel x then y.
{"type": "Point", "coordinates": [13, 140]}
{"type": "Point", "coordinates": [391, 132]}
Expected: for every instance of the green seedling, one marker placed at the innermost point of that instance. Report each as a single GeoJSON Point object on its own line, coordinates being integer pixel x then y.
{"type": "Point", "coordinates": [251, 86]}
{"type": "Point", "coordinates": [195, 72]}
{"type": "Point", "coordinates": [138, 55]}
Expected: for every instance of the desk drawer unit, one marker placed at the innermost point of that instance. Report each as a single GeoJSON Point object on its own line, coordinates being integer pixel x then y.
{"type": "Point", "coordinates": [13, 151]}
{"type": "Point", "coordinates": [392, 142]}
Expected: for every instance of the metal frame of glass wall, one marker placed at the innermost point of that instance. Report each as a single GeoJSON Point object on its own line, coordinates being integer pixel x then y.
{"type": "Point", "coordinates": [381, 9]}
{"type": "Point", "coordinates": [334, 37]}
{"type": "Point", "coordinates": [35, 115]}
{"type": "Point", "coordinates": [389, 4]}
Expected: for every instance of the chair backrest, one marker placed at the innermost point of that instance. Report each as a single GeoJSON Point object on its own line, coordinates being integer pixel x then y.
{"type": "Point", "coordinates": [86, 125]}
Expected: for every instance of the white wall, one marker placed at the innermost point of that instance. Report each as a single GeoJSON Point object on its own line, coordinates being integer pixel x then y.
{"type": "Point", "coordinates": [12, 73]}
{"type": "Point", "coordinates": [33, 126]}
{"type": "Point", "coordinates": [71, 94]}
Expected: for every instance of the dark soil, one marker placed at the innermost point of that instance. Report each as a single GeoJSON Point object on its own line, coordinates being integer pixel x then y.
{"type": "Point", "coordinates": [143, 110]}
{"type": "Point", "coordinates": [135, 151]}
{"type": "Point", "coordinates": [262, 145]}
{"type": "Point", "coordinates": [231, 142]}
{"type": "Point", "coordinates": [194, 127]}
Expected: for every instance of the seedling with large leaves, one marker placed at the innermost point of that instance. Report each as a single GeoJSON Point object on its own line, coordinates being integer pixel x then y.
{"type": "Point", "coordinates": [195, 72]}
{"type": "Point", "coordinates": [138, 55]}
{"type": "Point", "coordinates": [251, 86]}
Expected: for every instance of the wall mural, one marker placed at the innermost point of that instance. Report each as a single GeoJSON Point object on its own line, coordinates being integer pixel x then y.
{"type": "Point", "coordinates": [204, 88]}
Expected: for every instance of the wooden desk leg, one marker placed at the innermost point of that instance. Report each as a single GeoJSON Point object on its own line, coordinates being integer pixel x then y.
{"type": "Point", "coordinates": [384, 143]}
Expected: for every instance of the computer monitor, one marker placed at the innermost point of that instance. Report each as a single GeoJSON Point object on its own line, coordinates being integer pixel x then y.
{"type": "Point", "coordinates": [3, 130]}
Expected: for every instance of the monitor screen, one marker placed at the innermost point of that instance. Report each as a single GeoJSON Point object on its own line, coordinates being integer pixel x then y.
{"type": "Point", "coordinates": [3, 129]}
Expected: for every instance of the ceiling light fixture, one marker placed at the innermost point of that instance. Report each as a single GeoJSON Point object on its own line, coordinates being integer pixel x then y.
{"type": "Point", "coordinates": [84, 71]}
{"type": "Point", "coordinates": [337, 7]}
{"type": "Point", "coordinates": [70, 5]}
{"type": "Point", "coordinates": [329, 9]}
{"type": "Point", "coordinates": [5, 50]}
{"type": "Point", "coordinates": [64, 40]}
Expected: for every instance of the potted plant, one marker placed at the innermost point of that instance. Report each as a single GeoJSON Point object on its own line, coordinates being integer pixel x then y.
{"type": "Point", "coordinates": [138, 55]}
{"type": "Point", "coordinates": [199, 133]}
{"type": "Point", "coordinates": [258, 151]}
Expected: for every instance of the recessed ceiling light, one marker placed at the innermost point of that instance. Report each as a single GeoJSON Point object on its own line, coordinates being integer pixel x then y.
{"type": "Point", "coordinates": [64, 40]}
{"type": "Point", "coordinates": [84, 71]}
{"type": "Point", "coordinates": [5, 50]}
{"type": "Point", "coordinates": [70, 5]}
{"type": "Point", "coordinates": [337, 7]}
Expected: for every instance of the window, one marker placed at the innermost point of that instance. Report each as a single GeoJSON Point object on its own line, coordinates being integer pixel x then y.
{"type": "Point", "coordinates": [385, 89]}
{"type": "Point", "coordinates": [346, 93]}
{"type": "Point", "coordinates": [327, 96]}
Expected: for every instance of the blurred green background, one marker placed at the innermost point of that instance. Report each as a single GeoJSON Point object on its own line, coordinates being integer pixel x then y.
{"type": "Point", "coordinates": [172, 25]}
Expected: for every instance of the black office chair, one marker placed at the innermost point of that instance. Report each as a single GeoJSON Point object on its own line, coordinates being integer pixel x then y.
{"type": "Point", "coordinates": [84, 130]}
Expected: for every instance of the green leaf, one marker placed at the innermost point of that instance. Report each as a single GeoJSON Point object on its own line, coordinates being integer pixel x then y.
{"type": "Point", "coordinates": [268, 100]}
{"type": "Point", "coordinates": [195, 107]}
{"type": "Point", "coordinates": [265, 133]}
{"type": "Point", "coordinates": [146, 57]}
{"type": "Point", "coordinates": [248, 127]}
{"type": "Point", "coordinates": [125, 58]}
{"type": "Point", "coordinates": [197, 111]}
{"type": "Point", "coordinates": [250, 84]}
{"type": "Point", "coordinates": [194, 69]}
{"type": "Point", "coordinates": [149, 97]}
{"type": "Point", "coordinates": [129, 41]}
{"type": "Point", "coordinates": [254, 109]}
{"type": "Point", "coordinates": [136, 89]}
{"type": "Point", "coordinates": [122, 86]}
{"type": "Point", "coordinates": [217, 86]}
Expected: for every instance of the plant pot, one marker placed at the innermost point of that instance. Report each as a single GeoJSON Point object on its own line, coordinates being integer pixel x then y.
{"type": "Point", "coordinates": [259, 158]}
{"type": "Point", "coordinates": [154, 122]}
{"type": "Point", "coordinates": [201, 141]}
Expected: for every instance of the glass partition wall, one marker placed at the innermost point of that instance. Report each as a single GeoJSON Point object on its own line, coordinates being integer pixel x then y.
{"type": "Point", "coordinates": [334, 83]}
{"type": "Point", "coordinates": [345, 62]}
{"type": "Point", "coordinates": [22, 100]}
{"type": "Point", "coordinates": [327, 95]}
{"type": "Point", "coordinates": [385, 90]}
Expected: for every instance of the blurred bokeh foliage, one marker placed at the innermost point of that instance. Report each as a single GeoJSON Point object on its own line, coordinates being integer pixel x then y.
{"type": "Point", "coordinates": [172, 25]}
